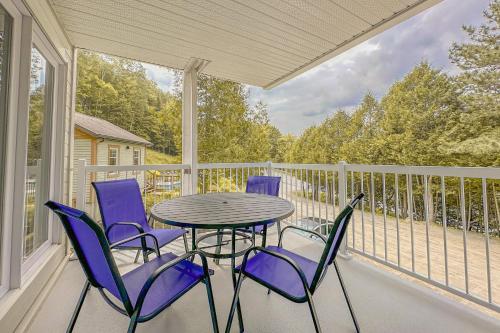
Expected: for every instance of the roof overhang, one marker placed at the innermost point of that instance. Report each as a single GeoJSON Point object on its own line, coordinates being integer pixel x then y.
{"type": "Point", "coordinates": [261, 43]}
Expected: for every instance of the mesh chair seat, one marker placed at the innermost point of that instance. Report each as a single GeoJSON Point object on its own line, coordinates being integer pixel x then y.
{"type": "Point", "coordinates": [164, 237]}
{"type": "Point", "coordinates": [279, 274]}
{"type": "Point", "coordinates": [172, 284]}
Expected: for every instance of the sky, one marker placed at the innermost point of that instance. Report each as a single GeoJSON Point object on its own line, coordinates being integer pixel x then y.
{"type": "Point", "coordinates": [372, 66]}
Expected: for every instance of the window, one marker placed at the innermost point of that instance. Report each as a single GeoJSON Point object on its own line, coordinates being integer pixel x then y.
{"type": "Point", "coordinates": [36, 226]}
{"type": "Point", "coordinates": [136, 158]}
{"type": "Point", "coordinates": [5, 40]}
{"type": "Point", "coordinates": [113, 158]}
{"type": "Point", "coordinates": [113, 155]}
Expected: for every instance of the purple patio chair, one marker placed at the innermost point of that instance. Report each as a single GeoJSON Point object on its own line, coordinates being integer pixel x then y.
{"type": "Point", "coordinates": [123, 215]}
{"type": "Point", "coordinates": [292, 275]}
{"type": "Point", "coordinates": [263, 185]}
{"type": "Point", "coordinates": [142, 293]}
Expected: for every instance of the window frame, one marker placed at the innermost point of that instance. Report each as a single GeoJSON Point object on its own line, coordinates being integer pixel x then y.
{"type": "Point", "coordinates": [113, 174]}
{"type": "Point", "coordinates": [54, 112]}
{"type": "Point", "coordinates": [139, 157]}
{"type": "Point", "coordinates": [9, 136]}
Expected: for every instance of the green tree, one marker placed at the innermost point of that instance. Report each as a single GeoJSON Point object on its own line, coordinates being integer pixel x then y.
{"type": "Point", "coordinates": [475, 138]}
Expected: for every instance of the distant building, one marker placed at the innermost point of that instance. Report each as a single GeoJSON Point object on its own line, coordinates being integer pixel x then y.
{"type": "Point", "coordinates": [100, 142]}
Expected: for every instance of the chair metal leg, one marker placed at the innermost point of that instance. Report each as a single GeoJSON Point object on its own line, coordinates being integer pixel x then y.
{"type": "Point", "coordinates": [145, 256]}
{"type": "Point", "coordinates": [72, 322]}
{"type": "Point", "coordinates": [278, 225]}
{"type": "Point", "coordinates": [211, 303]}
{"type": "Point", "coordinates": [313, 312]}
{"type": "Point", "coordinates": [186, 247]}
{"type": "Point", "coordinates": [264, 235]}
{"type": "Point", "coordinates": [234, 303]}
{"type": "Point", "coordinates": [233, 273]}
{"type": "Point", "coordinates": [137, 256]}
{"type": "Point", "coordinates": [220, 237]}
{"type": "Point", "coordinates": [133, 323]}
{"type": "Point", "coordinates": [351, 310]}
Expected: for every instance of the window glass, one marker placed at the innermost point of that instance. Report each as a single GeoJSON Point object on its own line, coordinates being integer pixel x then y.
{"type": "Point", "coordinates": [38, 155]}
{"type": "Point", "coordinates": [137, 156]}
{"type": "Point", "coordinates": [5, 35]}
{"type": "Point", "coordinates": [113, 155]}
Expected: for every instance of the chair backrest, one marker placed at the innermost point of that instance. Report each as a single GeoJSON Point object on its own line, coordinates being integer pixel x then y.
{"type": "Point", "coordinates": [263, 185]}
{"type": "Point", "coordinates": [121, 201]}
{"type": "Point", "coordinates": [92, 249]}
{"type": "Point", "coordinates": [334, 240]}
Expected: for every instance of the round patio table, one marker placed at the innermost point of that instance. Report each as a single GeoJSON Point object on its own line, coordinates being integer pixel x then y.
{"type": "Point", "coordinates": [223, 211]}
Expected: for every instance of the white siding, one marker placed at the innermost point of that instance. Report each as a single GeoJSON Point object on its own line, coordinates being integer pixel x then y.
{"type": "Point", "coordinates": [125, 158]}
{"type": "Point", "coordinates": [82, 150]}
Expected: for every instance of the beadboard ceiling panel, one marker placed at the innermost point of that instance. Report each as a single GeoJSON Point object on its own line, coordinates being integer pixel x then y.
{"type": "Point", "coordinates": [258, 42]}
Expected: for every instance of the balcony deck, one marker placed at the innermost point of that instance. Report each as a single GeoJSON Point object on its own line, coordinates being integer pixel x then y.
{"type": "Point", "coordinates": [383, 303]}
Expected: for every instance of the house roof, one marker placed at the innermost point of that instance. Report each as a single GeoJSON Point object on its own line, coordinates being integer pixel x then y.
{"type": "Point", "coordinates": [101, 128]}
{"type": "Point", "coordinates": [262, 43]}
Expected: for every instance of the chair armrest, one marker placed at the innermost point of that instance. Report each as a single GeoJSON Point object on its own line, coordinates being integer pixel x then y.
{"type": "Point", "coordinates": [143, 242]}
{"type": "Point", "coordinates": [280, 256]}
{"type": "Point", "coordinates": [301, 229]}
{"type": "Point", "coordinates": [139, 228]}
{"type": "Point", "coordinates": [163, 268]}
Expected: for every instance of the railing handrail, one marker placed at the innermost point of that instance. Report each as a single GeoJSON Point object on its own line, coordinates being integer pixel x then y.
{"type": "Point", "coordinates": [447, 171]}
{"type": "Point", "coordinates": [233, 165]}
{"type": "Point", "coordinates": [143, 167]}
{"type": "Point", "coordinates": [310, 166]}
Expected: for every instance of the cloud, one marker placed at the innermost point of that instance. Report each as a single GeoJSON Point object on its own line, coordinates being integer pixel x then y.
{"type": "Point", "coordinates": [370, 67]}
{"type": "Point", "coordinates": [163, 76]}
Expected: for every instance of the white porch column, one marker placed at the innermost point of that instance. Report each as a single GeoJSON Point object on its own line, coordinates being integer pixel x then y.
{"type": "Point", "coordinates": [190, 124]}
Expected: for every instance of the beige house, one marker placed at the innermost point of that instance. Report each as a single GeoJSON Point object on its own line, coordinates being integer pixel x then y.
{"type": "Point", "coordinates": [100, 142]}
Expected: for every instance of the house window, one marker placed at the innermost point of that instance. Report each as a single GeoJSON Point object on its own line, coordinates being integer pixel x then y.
{"type": "Point", "coordinates": [36, 226]}
{"type": "Point", "coordinates": [136, 158]}
{"type": "Point", "coordinates": [113, 158]}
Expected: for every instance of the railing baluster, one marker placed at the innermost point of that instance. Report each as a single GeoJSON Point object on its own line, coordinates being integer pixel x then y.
{"type": "Point", "coordinates": [372, 200]}
{"type": "Point", "coordinates": [353, 215]}
{"type": "Point", "coordinates": [362, 212]}
{"type": "Point", "coordinates": [384, 204]}
{"type": "Point", "coordinates": [296, 197]}
{"type": "Point", "coordinates": [334, 195]}
{"type": "Point", "coordinates": [426, 215]}
{"type": "Point", "coordinates": [302, 190]}
{"type": "Point", "coordinates": [326, 201]}
{"type": "Point", "coordinates": [487, 237]}
{"type": "Point", "coordinates": [203, 190]}
{"type": "Point", "coordinates": [217, 179]}
{"type": "Point", "coordinates": [410, 205]}
{"type": "Point", "coordinates": [319, 203]}
{"type": "Point", "coordinates": [307, 197]}
{"type": "Point", "coordinates": [236, 180]}
{"type": "Point", "coordinates": [445, 234]}
{"type": "Point", "coordinates": [464, 228]}
{"type": "Point", "coordinates": [210, 185]}
{"type": "Point", "coordinates": [313, 192]}
{"type": "Point", "coordinates": [396, 190]}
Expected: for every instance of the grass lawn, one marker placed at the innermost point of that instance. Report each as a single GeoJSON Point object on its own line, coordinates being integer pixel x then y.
{"type": "Point", "coordinates": [155, 157]}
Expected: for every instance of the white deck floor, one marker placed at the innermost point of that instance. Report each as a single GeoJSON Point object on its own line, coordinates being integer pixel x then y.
{"type": "Point", "coordinates": [382, 301]}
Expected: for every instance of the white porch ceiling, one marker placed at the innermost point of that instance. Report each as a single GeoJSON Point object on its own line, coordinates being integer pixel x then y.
{"type": "Point", "coordinates": [258, 42]}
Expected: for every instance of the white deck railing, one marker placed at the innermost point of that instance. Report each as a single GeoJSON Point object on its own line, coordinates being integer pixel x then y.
{"type": "Point", "coordinates": [437, 224]}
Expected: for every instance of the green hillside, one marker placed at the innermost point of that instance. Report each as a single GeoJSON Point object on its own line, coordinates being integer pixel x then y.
{"type": "Point", "coordinates": [155, 157]}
